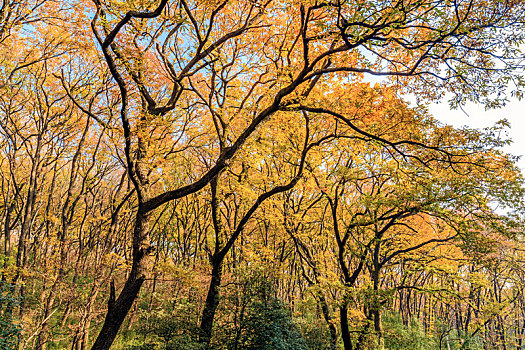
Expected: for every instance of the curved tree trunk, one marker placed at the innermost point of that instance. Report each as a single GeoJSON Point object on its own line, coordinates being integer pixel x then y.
{"type": "Point", "coordinates": [118, 309]}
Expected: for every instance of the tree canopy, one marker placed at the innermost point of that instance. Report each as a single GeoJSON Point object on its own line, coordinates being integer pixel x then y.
{"type": "Point", "coordinates": [248, 174]}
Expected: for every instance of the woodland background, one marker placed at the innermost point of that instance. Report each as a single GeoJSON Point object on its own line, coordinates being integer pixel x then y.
{"type": "Point", "coordinates": [225, 175]}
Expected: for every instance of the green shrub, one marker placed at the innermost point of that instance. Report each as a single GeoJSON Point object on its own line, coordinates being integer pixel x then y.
{"type": "Point", "coordinates": [267, 325]}
{"type": "Point", "coordinates": [400, 337]}
{"type": "Point", "coordinates": [10, 328]}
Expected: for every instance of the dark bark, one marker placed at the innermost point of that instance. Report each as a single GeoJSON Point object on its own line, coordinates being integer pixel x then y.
{"type": "Point", "coordinates": [212, 301]}
{"type": "Point", "coordinates": [21, 257]}
{"type": "Point", "coordinates": [345, 330]}
{"type": "Point", "coordinates": [119, 308]}
{"type": "Point", "coordinates": [221, 250]}
{"type": "Point", "coordinates": [329, 322]}
{"type": "Point", "coordinates": [67, 218]}
{"type": "Point", "coordinates": [366, 329]}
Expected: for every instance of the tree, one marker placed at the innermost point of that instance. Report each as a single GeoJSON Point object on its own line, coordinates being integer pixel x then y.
{"type": "Point", "coordinates": [449, 46]}
{"type": "Point", "coordinates": [113, 127]}
{"type": "Point", "coordinates": [382, 204]}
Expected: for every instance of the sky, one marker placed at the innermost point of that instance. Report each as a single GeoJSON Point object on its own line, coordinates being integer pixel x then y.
{"type": "Point", "coordinates": [475, 116]}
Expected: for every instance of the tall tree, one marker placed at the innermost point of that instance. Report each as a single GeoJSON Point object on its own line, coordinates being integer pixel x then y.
{"type": "Point", "coordinates": [157, 57]}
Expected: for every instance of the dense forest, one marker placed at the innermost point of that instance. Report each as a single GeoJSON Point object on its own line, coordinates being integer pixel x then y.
{"type": "Point", "coordinates": [250, 174]}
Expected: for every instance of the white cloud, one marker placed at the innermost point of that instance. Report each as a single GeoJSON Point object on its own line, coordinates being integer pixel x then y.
{"type": "Point", "coordinates": [475, 116]}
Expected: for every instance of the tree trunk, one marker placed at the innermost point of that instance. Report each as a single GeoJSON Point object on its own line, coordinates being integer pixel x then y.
{"type": "Point", "coordinates": [212, 301]}
{"type": "Point", "coordinates": [375, 311]}
{"type": "Point", "coordinates": [345, 331]}
{"type": "Point", "coordinates": [364, 331]}
{"type": "Point", "coordinates": [378, 327]}
{"type": "Point", "coordinates": [118, 309]}
{"type": "Point", "coordinates": [328, 319]}
{"type": "Point", "coordinates": [42, 335]}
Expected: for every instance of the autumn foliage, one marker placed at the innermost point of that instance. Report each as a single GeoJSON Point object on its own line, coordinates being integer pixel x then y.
{"type": "Point", "coordinates": [250, 174]}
